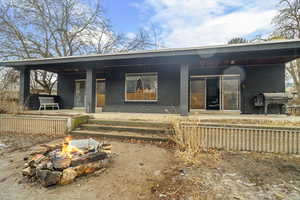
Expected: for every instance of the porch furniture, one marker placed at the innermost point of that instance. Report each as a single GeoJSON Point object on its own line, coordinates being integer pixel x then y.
{"type": "Point", "coordinates": [265, 99]}
{"type": "Point", "coordinates": [48, 102]}
{"type": "Point", "coordinates": [213, 104]}
{"type": "Point", "coordinates": [293, 110]}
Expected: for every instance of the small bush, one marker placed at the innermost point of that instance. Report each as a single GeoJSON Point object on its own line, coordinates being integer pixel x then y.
{"type": "Point", "coordinates": [2, 111]}
{"type": "Point", "coordinates": [9, 104]}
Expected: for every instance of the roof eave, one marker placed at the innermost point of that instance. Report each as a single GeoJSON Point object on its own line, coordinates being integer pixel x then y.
{"type": "Point", "coordinates": [268, 46]}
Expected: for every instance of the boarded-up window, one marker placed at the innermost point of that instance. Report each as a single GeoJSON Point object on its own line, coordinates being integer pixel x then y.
{"type": "Point", "coordinates": [141, 87]}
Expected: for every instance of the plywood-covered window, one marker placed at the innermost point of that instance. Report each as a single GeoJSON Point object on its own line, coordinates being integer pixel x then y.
{"type": "Point", "coordinates": [141, 87]}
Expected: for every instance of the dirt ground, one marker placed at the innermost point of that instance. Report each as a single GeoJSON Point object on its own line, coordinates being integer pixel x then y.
{"type": "Point", "coordinates": [131, 175]}
{"type": "Point", "coordinates": [146, 171]}
{"type": "Point", "coordinates": [218, 175]}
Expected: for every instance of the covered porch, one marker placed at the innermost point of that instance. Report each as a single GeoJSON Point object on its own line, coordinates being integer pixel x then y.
{"type": "Point", "coordinates": [172, 81]}
{"type": "Point", "coordinates": [168, 118]}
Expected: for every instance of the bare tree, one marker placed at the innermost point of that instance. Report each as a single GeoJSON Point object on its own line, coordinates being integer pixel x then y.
{"type": "Point", "coordinates": [287, 24]}
{"type": "Point", "coordinates": [287, 21]}
{"type": "Point", "coordinates": [50, 28]}
{"type": "Point", "coordinates": [46, 80]}
{"type": "Point", "coordinates": [8, 76]}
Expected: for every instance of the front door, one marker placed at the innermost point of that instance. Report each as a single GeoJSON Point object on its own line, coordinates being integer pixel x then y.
{"type": "Point", "coordinates": [100, 93]}
{"type": "Point", "coordinates": [79, 94]}
{"type": "Point", "coordinates": [79, 98]}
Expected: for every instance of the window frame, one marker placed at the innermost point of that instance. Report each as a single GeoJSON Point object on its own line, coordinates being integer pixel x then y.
{"type": "Point", "coordinates": [141, 74]}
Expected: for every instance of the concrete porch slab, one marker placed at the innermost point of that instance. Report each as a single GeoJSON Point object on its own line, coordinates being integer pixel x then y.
{"type": "Point", "coordinates": [161, 117]}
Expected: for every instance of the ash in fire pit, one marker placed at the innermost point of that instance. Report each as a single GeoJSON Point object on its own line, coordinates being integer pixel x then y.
{"type": "Point", "coordinates": [61, 164]}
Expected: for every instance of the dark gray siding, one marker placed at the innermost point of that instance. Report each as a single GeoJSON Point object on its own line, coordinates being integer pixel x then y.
{"type": "Point", "coordinates": [168, 91]}
{"type": "Point", "coordinates": [254, 80]}
{"type": "Point", "coordinates": [261, 79]}
{"type": "Point", "coordinates": [65, 90]}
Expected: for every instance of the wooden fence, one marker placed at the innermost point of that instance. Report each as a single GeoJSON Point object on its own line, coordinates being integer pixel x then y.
{"type": "Point", "coordinates": [198, 136]}
{"type": "Point", "coordinates": [32, 125]}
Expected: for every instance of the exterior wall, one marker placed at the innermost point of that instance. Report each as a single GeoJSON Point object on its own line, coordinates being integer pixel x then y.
{"type": "Point", "coordinates": [254, 80]}
{"type": "Point", "coordinates": [261, 79]}
{"type": "Point", "coordinates": [168, 90]}
{"type": "Point", "coordinates": [66, 88]}
{"type": "Point", "coordinates": [232, 70]}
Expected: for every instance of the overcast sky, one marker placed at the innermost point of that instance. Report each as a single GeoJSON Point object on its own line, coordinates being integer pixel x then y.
{"type": "Point", "coordinates": [185, 23]}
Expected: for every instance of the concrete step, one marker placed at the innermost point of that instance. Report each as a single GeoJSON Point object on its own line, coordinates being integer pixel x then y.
{"type": "Point", "coordinates": [131, 123]}
{"type": "Point", "coordinates": [120, 135]}
{"type": "Point", "coordinates": [126, 128]}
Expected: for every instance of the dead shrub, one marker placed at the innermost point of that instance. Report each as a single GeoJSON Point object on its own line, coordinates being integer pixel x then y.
{"type": "Point", "coordinates": [11, 107]}
{"type": "Point", "coordinates": [190, 146]}
{"type": "Point", "coordinates": [2, 111]}
{"type": "Point", "coordinates": [9, 104]}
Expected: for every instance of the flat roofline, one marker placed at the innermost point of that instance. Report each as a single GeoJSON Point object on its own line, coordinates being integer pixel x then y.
{"type": "Point", "coordinates": [202, 50]}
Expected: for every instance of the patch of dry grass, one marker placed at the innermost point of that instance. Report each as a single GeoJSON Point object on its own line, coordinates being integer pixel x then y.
{"type": "Point", "coordinates": [209, 158]}
{"type": "Point", "coordinates": [190, 148]}
{"type": "Point", "coordinates": [9, 104]}
{"type": "Point", "coordinates": [187, 137]}
{"type": "Point", "coordinates": [258, 122]}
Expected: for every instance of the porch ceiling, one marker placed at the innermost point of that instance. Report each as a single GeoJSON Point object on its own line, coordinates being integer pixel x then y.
{"type": "Point", "coordinates": [222, 55]}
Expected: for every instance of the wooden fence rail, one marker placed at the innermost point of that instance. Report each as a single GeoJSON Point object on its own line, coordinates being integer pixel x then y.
{"type": "Point", "coordinates": [32, 125]}
{"type": "Point", "coordinates": [239, 138]}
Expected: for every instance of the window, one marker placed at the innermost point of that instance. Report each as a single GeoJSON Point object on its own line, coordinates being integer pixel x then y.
{"type": "Point", "coordinates": [141, 87]}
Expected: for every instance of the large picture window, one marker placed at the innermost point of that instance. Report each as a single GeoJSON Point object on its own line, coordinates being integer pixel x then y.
{"type": "Point", "coordinates": [141, 87]}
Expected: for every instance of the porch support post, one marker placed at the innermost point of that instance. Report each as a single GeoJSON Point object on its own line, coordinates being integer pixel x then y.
{"type": "Point", "coordinates": [24, 86]}
{"type": "Point", "coordinates": [90, 90]}
{"type": "Point", "coordinates": [184, 90]}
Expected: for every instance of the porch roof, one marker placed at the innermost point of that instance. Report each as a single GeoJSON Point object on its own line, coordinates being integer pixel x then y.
{"type": "Point", "coordinates": [279, 51]}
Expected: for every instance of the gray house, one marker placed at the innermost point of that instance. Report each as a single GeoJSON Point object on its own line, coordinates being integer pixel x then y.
{"type": "Point", "coordinates": [224, 78]}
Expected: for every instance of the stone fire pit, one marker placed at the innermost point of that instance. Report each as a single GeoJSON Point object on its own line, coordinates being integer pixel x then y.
{"type": "Point", "coordinates": [61, 163]}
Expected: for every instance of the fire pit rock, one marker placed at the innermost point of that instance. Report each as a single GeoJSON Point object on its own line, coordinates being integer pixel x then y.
{"type": "Point", "coordinates": [61, 164]}
{"type": "Point", "coordinates": [47, 177]}
{"type": "Point", "coordinates": [68, 176]}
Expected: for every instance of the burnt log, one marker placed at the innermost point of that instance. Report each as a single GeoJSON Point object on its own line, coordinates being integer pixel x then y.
{"type": "Point", "coordinates": [28, 171]}
{"type": "Point", "coordinates": [43, 164]}
{"type": "Point", "coordinates": [69, 174]}
{"type": "Point", "coordinates": [106, 146]}
{"type": "Point", "coordinates": [36, 159]}
{"type": "Point", "coordinates": [38, 150]}
{"type": "Point", "coordinates": [47, 177]}
{"type": "Point", "coordinates": [90, 167]}
{"type": "Point", "coordinates": [45, 148]}
{"type": "Point", "coordinates": [108, 151]}
{"type": "Point", "coordinates": [91, 157]}
{"type": "Point", "coordinates": [61, 163]}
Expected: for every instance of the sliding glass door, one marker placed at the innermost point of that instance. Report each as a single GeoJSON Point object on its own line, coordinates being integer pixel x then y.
{"type": "Point", "coordinates": [215, 92]}
{"type": "Point", "coordinates": [198, 93]}
{"type": "Point", "coordinates": [230, 92]}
